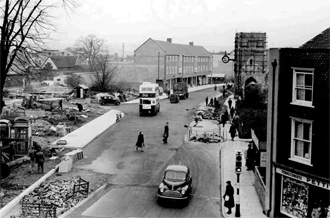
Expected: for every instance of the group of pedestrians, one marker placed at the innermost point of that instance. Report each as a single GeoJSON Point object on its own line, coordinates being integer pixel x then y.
{"type": "Point", "coordinates": [37, 156]}
{"type": "Point", "coordinates": [140, 141]}
{"type": "Point", "coordinates": [211, 102]}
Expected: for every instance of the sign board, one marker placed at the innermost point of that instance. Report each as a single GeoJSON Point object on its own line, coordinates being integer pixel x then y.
{"type": "Point", "coordinates": [263, 159]}
{"type": "Point", "coordinates": [305, 179]}
{"type": "Point", "coordinates": [255, 139]}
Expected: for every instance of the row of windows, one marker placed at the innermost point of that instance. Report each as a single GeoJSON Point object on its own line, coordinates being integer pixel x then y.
{"type": "Point", "coordinates": [175, 58]}
{"type": "Point", "coordinates": [186, 69]}
{"type": "Point", "coordinates": [301, 129]}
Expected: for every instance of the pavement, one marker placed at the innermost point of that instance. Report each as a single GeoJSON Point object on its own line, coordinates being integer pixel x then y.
{"type": "Point", "coordinates": [250, 206]}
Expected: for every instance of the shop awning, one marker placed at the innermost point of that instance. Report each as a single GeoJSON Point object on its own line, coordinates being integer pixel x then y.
{"type": "Point", "coordinates": [217, 75]}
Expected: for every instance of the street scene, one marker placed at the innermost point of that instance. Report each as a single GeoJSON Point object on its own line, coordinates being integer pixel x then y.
{"type": "Point", "coordinates": [164, 109]}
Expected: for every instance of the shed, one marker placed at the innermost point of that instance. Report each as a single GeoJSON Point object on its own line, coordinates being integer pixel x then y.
{"type": "Point", "coordinates": [81, 90]}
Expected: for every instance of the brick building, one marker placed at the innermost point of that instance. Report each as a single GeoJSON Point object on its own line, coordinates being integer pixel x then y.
{"type": "Point", "coordinates": [250, 60]}
{"type": "Point", "coordinates": [171, 62]}
{"type": "Point", "coordinates": [298, 167]}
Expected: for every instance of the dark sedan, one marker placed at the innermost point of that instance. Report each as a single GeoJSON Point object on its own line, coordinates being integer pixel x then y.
{"type": "Point", "coordinates": [176, 184]}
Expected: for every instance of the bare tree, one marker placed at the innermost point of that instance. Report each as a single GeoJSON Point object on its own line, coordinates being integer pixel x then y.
{"type": "Point", "coordinates": [104, 74]}
{"type": "Point", "coordinates": [91, 47]}
{"type": "Point", "coordinates": [25, 25]}
{"type": "Point", "coordinates": [74, 80]}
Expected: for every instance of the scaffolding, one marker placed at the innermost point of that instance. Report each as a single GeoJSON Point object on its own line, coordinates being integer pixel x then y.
{"type": "Point", "coordinates": [250, 57]}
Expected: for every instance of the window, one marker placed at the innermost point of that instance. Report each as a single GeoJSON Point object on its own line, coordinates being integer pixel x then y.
{"type": "Point", "coordinates": [301, 140]}
{"type": "Point", "coordinates": [167, 70]}
{"type": "Point", "coordinates": [303, 86]}
{"type": "Point", "coordinates": [175, 69]}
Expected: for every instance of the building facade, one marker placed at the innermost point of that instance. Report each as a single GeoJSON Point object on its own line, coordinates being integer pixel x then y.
{"type": "Point", "coordinates": [298, 166]}
{"type": "Point", "coordinates": [250, 60]}
{"type": "Point", "coordinates": [173, 63]}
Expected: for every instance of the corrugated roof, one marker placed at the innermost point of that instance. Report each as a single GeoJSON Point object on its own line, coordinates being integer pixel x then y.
{"type": "Point", "coordinates": [64, 61]}
{"type": "Point", "coordinates": [322, 40]}
{"type": "Point", "coordinates": [180, 49]}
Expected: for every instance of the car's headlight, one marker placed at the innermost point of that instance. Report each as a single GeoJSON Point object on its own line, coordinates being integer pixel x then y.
{"type": "Point", "coordinates": [184, 189]}
{"type": "Point", "coordinates": [162, 187]}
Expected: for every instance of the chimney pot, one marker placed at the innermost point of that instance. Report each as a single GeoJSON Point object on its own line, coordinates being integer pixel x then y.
{"type": "Point", "coordinates": [169, 40]}
{"type": "Point", "coordinates": [191, 43]}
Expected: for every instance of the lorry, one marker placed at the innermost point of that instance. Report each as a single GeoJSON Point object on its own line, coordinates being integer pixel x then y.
{"type": "Point", "coordinates": [181, 89]}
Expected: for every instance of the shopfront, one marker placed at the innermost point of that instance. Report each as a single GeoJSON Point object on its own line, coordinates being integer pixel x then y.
{"type": "Point", "coordinates": [299, 194]}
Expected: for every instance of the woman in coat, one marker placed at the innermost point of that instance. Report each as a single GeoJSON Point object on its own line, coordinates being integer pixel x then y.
{"type": "Point", "coordinates": [140, 142]}
{"type": "Point", "coordinates": [229, 197]}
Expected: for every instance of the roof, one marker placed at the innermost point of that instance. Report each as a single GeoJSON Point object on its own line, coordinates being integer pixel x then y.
{"type": "Point", "coordinates": [322, 40]}
{"type": "Point", "coordinates": [181, 49]}
{"type": "Point", "coordinates": [82, 86]}
{"type": "Point", "coordinates": [64, 61]}
{"type": "Point", "coordinates": [177, 168]}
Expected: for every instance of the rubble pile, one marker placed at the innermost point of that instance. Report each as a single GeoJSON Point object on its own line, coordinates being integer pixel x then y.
{"type": "Point", "coordinates": [55, 192]}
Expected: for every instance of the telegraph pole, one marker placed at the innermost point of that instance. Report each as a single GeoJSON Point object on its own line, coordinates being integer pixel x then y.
{"type": "Point", "coordinates": [182, 67]}
{"type": "Point", "coordinates": [158, 65]}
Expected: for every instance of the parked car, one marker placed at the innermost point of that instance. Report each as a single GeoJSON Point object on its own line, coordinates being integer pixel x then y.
{"type": "Point", "coordinates": [109, 100]}
{"type": "Point", "coordinates": [176, 184]}
{"type": "Point", "coordinates": [174, 98]}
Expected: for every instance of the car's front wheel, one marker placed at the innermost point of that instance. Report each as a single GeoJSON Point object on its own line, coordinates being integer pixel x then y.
{"type": "Point", "coordinates": [117, 103]}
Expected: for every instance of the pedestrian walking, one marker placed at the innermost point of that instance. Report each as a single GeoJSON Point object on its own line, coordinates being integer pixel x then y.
{"type": "Point", "coordinates": [232, 112]}
{"type": "Point", "coordinates": [250, 156]}
{"type": "Point", "coordinates": [166, 133]}
{"type": "Point", "coordinates": [31, 153]}
{"type": "Point", "coordinates": [211, 102]}
{"type": "Point", "coordinates": [223, 120]}
{"type": "Point", "coordinates": [40, 159]}
{"type": "Point", "coordinates": [206, 100]}
{"type": "Point", "coordinates": [229, 197]}
{"type": "Point", "coordinates": [140, 142]}
{"type": "Point", "coordinates": [232, 131]}
{"type": "Point", "coordinates": [230, 102]}
{"type": "Point", "coordinates": [215, 88]}
{"type": "Point", "coordinates": [60, 104]}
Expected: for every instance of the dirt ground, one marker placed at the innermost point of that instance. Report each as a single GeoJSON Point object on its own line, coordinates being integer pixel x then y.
{"type": "Point", "coordinates": [21, 177]}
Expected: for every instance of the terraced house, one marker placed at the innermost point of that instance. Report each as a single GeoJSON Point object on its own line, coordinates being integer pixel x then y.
{"type": "Point", "coordinates": [298, 170]}
{"type": "Point", "coordinates": [171, 62]}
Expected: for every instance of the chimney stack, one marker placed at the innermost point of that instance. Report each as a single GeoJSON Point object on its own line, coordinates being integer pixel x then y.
{"type": "Point", "coordinates": [169, 40]}
{"type": "Point", "coordinates": [191, 43]}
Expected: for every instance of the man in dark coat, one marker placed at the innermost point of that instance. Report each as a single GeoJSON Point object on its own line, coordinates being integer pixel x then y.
{"type": "Point", "coordinates": [40, 159]}
{"type": "Point", "coordinates": [232, 112]}
{"type": "Point", "coordinates": [230, 102]}
{"type": "Point", "coordinates": [206, 100]}
{"type": "Point", "coordinates": [140, 142]}
{"type": "Point", "coordinates": [223, 119]}
{"type": "Point", "coordinates": [166, 133]}
{"type": "Point", "coordinates": [250, 156]}
{"type": "Point", "coordinates": [229, 197]}
{"type": "Point", "coordinates": [232, 131]}
{"type": "Point", "coordinates": [211, 102]}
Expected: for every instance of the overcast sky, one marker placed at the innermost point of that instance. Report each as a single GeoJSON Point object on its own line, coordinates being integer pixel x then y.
{"type": "Point", "coordinates": [209, 23]}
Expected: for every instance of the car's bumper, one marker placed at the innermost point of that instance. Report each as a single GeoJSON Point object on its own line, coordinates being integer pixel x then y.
{"type": "Point", "coordinates": [172, 198]}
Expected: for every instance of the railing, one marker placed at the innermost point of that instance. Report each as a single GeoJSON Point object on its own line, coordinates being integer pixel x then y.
{"type": "Point", "coordinates": [33, 209]}
{"type": "Point", "coordinates": [260, 187]}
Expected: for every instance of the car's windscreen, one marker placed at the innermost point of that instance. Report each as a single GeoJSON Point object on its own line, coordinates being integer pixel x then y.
{"type": "Point", "coordinates": [175, 175]}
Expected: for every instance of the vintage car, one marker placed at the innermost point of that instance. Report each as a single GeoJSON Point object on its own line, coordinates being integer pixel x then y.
{"type": "Point", "coordinates": [174, 98]}
{"type": "Point", "coordinates": [176, 184]}
{"type": "Point", "coordinates": [109, 99]}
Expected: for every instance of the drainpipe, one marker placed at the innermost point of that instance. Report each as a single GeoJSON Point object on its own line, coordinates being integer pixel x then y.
{"type": "Point", "coordinates": [274, 65]}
